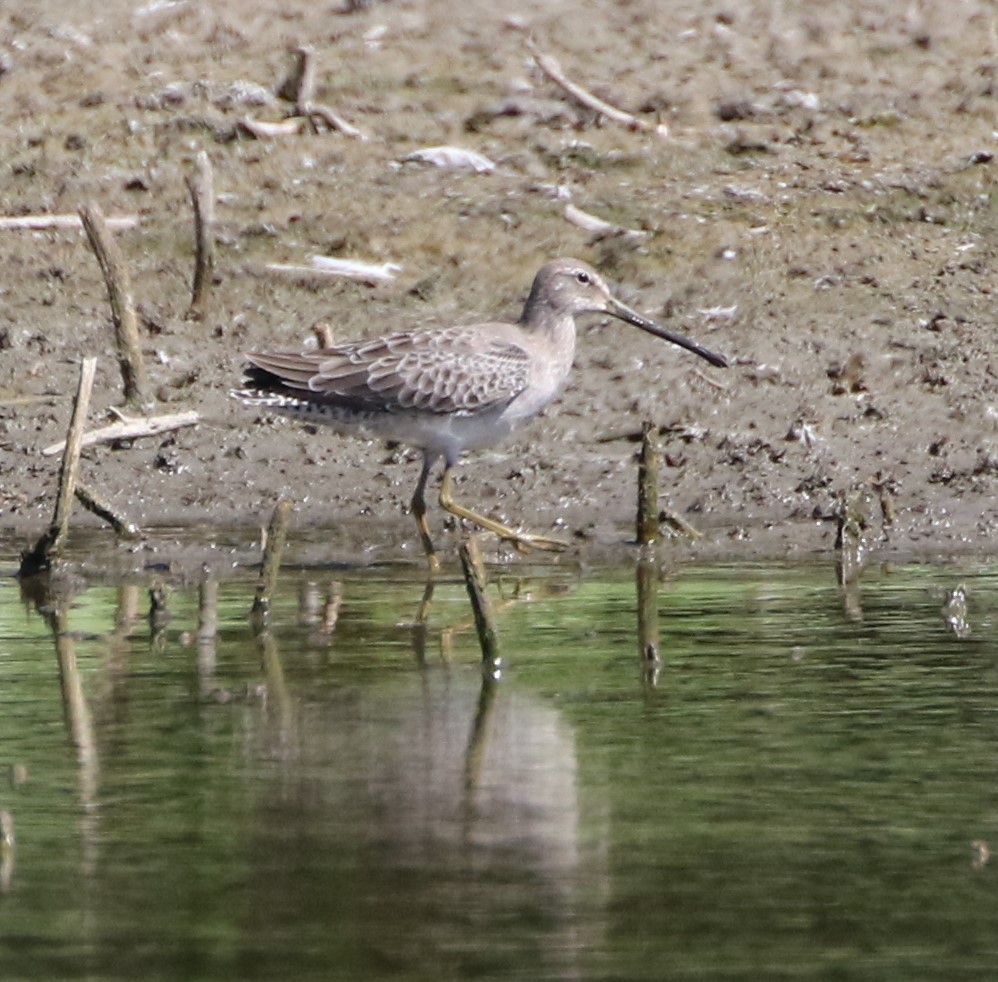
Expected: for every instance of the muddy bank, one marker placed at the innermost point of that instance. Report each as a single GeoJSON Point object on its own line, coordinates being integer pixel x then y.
{"type": "Point", "coordinates": [823, 213]}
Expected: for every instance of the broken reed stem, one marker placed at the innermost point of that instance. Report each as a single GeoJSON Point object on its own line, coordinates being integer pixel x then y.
{"type": "Point", "coordinates": [50, 544]}
{"type": "Point", "coordinates": [313, 111]}
{"type": "Point", "coordinates": [648, 463]}
{"type": "Point", "coordinates": [299, 86]}
{"type": "Point", "coordinates": [475, 580]}
{"type": "Point", "coordinates": [550, 67]}
{"type": "Point", "coordinates": [131, 428]}
{"type": "Point", "coordinates": [43, 222]}
{"type": "Point", "coordinates": [277, 533]}
{"type": "Point", "coordinates": [119, 293]}
{"type": "Point", "coordinates": [94, 503]}
{"type": "Point", "coordinates": [201, 185]}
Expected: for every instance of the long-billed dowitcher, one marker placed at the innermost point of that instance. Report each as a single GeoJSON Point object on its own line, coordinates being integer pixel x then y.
{"type": "Point", "coordinates": [444, 390]}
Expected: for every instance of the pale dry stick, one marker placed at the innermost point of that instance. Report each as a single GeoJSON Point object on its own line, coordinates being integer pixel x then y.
{"type": "Point", "coordinates": [262, 130]}
{"type": "Point", "coordinates": [40, 223]}
{"type": "Point", "coordinates": [599, 226]}
{"type": "Point", "coordinates": [710, 381]}
{"type": "Point", "coordinates": [50, 544]}
{"type": "Point", "coordinates": [25, 401]}
{"type": "Point", "coordinates": [131, 428]}
{"type": "Point", "coordinates": [299, 86]}
{"type": "Point", "coordinates": [362, 272]}
{"type": "Point", "coordinates": [552, 69]}
{"type": "Point", "coordinates": [201, 185]}
{"type": "Point", "coordinates": [316, 110]}
{"type": "Point", "coordinates": [119, 293]}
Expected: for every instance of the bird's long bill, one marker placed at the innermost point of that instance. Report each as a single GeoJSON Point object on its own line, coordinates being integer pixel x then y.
{"type": "Point", "coordinates": [631, 317]}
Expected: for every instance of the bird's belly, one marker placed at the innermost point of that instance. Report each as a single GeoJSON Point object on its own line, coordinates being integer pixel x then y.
{"type": "Point", "coordinates": [443, 434]}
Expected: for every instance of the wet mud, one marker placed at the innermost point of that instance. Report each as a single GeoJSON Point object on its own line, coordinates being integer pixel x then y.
{"type": "Point", "coordinates": [822, 212]}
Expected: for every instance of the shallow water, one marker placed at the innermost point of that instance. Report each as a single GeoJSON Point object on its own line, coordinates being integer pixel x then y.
{"type": "Point", "coordinates": [805, 787]}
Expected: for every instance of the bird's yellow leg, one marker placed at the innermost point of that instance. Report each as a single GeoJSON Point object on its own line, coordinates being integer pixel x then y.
{"type": "Point", "coordinates": [522, 540]}
{"type": "Point", "coordinates": [418, 507]}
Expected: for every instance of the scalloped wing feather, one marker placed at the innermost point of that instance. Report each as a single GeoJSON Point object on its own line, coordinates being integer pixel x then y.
{"type": "Point", "coordinates": [439, 371]}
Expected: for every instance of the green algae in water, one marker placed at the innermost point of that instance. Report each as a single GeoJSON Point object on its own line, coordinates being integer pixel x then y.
{"type": "Point", "coordinates": [806, 788]}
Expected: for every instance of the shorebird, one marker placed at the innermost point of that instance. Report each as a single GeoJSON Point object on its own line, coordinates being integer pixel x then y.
{"type": "Point", "coordinates": [444, 390]}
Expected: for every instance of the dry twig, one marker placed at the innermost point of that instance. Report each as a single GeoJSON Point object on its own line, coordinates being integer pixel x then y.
{"type": "Point", "coordinates": [130, 428]}
{"type": "Point", "coordinates": [43, 222]}
{"type": "Point", "coordinates": [584, 97]}
{"type": "Point", "coordinates": [328, 266]}
{"type": "Point", "coordinates": [299, 86]}
{"type": "Point", "coordinates": [119, 292]}
{"type": "Point", "coordinates": [599, 226]}
{"type": "Point", "coordinates": [202, 188]}
{"type": "Point", "coordinates": [679, 523]}
{"type": "Point", "coordinates": [262, 130]}
{"type": "Point", "coordinates": [313, 111]}
{"type": "Point", "coordinates": [102, 509]}
{"type": "Point", "coordinates": [50, 544]}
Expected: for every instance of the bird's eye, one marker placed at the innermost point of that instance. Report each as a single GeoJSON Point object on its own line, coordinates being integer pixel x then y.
{"type": "Point", "coordinates": [582, 276]}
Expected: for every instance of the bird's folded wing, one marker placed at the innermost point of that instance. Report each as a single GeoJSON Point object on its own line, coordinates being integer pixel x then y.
{"type": "Point", "coordinates": [439, 371]}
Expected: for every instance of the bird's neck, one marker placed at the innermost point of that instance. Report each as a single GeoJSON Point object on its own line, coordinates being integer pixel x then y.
{"type": "Point", "coordinates": [556, 331]}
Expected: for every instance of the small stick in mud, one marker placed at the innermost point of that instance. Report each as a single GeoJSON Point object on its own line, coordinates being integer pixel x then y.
{"type": "Point", "coordinates": [313, 111]}
{"type": "Point", "coordinates": [601, 228]}
{"type": "Point", "coordinates": [119, 292]}
{"type": "Point", "coordinates": [49, 546]}
{"type": "Point", "coordinates": [299, 86]}
{"type": "Point", "coordinates": [38, 223]}
{"type": "Point", "coordinates": [475, 581]}
{"type": "Point", "coordinates": [93, 502]}
{"type": "Point", "coordinates": [648, 462]}
{"type": "Point", "coordinates": [130, 428]}
{"type": "Point", "coordinates": [584, 97]}
{"type": "Point", "coordinates": [260, 129]}
{"type": "Point", "coordinates": [329, 266]}
{"type": "Point", "coordinates": [276, 535]}
{"type": "Point", "coordinates": [679, 523]}
{"type": "Point", "coordinates": [201, 185]}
